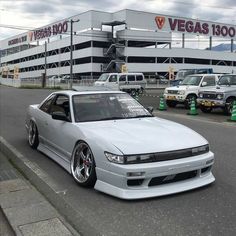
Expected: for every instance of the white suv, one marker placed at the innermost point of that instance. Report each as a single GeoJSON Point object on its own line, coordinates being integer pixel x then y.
{"type": "Point", "coordinates": [189, 89]}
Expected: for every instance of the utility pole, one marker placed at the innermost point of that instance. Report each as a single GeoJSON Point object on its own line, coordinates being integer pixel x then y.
{"type": "Point", "coordinates": [71, 51]}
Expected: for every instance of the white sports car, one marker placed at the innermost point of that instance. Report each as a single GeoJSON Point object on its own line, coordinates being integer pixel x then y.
{"type": "Point", "coordinates": [108, 140]}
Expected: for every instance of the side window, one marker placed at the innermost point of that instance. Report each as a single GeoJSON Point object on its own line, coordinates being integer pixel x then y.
{"type": "Point", "coordinates": [210, 80]}
{"type": "Point", "coordinates": [131, 78]}
{"type": "Point", "coordinates": [139, 77]}
{"type": "Point", "coordinates": [61, 103]}
{"type": "Point", "coordinates": [113, 78]}
{"type": "Point", "coordinates": [122, 78]}
{"type": "Point", "coordinates": [47, 104]}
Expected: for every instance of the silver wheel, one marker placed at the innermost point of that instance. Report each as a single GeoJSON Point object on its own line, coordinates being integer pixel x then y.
{"type": "Point", "coordinates": [82, 165]}
{"type": "Point", "coordinates": [33, 135]}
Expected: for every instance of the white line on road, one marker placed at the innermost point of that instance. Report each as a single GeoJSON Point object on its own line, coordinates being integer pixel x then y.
{"type": "Point", "coordinates": [34, 167]}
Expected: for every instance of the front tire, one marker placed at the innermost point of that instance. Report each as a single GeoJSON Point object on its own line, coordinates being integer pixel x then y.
{"type": "Point", "coordinates": [83, 165]}
{"type": "Point", "coordinates": [170, 103]}
{"type": "Point", "coordinates": [205, 109]}
{"type": "Point", "coordinates": [33, 136]}
{"type": "Point", "coordinates": [189, 100]}
{"type": "Point", "coordinates": [229, 106]}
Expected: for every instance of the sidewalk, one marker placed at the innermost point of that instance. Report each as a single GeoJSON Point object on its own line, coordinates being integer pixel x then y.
{"type": "Point", "coordinates": [24, 211]}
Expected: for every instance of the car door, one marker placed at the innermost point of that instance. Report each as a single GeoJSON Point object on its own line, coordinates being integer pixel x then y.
{"type": "Point", "coordinates": [60, 136]}
{"type": "Point", "coordinates": [209, 80]}
{"type": "Point", "coordinates": [42, 120]}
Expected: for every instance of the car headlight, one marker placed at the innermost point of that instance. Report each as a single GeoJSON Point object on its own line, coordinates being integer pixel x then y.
{"type": "Point", "coordinates": [200, 150]}
{"type": "Point", "coordinates": [201, 95]}
{"type": "Point", "coordinates": [114, 158]}
{"type": "Point", "coordinates": [220, 96]}
{"type": "Point", "coordinates": [181, 92]}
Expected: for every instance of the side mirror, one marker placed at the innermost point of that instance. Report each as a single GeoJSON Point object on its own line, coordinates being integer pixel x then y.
{"type": "Point", "coordinates": [180, 82]}
{"type": "Point", "coordinates": [58, 115]}
{"type": "Point", "coordinates": [150, 109]}
{"type": "Point", "coordinates": [204, 84]}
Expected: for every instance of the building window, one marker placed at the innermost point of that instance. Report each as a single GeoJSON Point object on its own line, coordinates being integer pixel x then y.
{"type": "Point", "coordinates": [141, 59]}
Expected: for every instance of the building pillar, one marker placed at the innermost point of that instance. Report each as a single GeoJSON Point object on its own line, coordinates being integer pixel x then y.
{"type": "Point", "coordinates": [183, 40]}
{"type": "Point", "coordinates": [156, 45]}
{"type": "Point", "coordinates": [210, 42]}
{"type": "Point", "coordinates": [232, 45]}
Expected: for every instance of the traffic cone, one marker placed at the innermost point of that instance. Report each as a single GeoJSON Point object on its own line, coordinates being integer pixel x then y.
{"type": "Point", "coordinates": [233, 116]}
{"type": "Point", "coordinates": [162, 105]}
{"type": "Point", "coordinates": [136, 97]}
{"type": "Point", "coordinates": [193, 110]}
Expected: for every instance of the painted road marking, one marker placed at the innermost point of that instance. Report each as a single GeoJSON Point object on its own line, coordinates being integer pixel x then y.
{"type": "Point", "coordinates": [34, 167]}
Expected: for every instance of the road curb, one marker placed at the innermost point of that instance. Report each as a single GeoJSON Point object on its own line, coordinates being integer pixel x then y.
{"type": "Point", "coordinates": [49, 189]}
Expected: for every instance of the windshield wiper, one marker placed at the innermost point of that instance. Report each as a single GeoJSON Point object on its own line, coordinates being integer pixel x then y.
{"type": "Point", "coordinates": [142, 116]}
{"type": "Point", "coordinates": [112, 118]}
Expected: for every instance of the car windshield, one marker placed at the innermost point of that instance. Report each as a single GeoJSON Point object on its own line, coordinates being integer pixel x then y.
{"type": "Point", "coordinates": [192, 80]}
{"type": "Point", "coordinates": [183, 73]}
{"type": "Point", "coordinates": [103, 77]}
{"type": "Point", "coordinates": [107, 106]}
{"type": "Point", "coordinates": [227, 80]}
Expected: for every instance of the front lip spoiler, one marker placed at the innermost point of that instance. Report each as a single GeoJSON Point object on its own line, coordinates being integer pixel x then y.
{"type": "Point", "coordinates": [132, 194]}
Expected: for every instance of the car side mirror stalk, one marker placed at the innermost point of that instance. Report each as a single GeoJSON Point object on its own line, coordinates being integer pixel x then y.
{"type": "Point", "coordinates": [58, 115]}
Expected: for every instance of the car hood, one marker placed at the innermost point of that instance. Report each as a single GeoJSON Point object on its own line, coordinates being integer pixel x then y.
{"type": "Point", "coordinates": [143, 135]}
{"type": "Point", "coordinates": [182, 87]}
{"type": "Point", "coordinates": [220, 89]}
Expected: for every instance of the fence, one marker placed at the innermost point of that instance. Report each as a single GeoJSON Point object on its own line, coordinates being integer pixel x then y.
{"type": "Point", "coordinates": [152, 82]}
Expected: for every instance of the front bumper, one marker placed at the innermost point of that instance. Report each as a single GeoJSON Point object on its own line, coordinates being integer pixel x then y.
{"type": "Point", "coordinates": [175, 97]}
{"type": "Point", "coordinates": [115, 179]}
{"type": "Point", "coordinates": [210, 102]}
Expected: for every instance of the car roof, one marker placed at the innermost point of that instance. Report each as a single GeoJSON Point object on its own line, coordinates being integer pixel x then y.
{"type": "Point", "coordinates": [86, 90]}
{"type": "Point", "coordinates": [204, 74]}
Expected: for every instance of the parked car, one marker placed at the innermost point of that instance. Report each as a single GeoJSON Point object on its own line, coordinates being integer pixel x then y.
{"type": "Point", "coordinates": [55, 79]}
{"type": "Point", "coordinates": [223, 95]}
{"type": "Point", "coordinates": [65, 79]}
{"type": "Point", "coordinates": [183, 73]}
{"type": "Point", "coordinates": [108, 140]}
{"type": "Point", "coordinates": [129, 82]}
{"type": "Point", "coordinates": [188, 90]}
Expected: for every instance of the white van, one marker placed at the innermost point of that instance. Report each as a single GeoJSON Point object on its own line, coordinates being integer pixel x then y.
{"type": "Point", "coordinates": [189, 89]}
{"type": "Point", "coordinates": [129, 82]}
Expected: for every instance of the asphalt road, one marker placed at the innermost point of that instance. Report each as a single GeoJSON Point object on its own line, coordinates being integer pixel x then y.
{"type": "Point", "coordinates": [207, 211]}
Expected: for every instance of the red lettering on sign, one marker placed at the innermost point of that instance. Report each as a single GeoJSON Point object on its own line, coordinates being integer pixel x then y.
{"type": "Point", "coordinates": [160, 21]}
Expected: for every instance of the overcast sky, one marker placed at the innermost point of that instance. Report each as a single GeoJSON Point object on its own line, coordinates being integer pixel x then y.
{"type": "Point", "coordinates": [36, 13]}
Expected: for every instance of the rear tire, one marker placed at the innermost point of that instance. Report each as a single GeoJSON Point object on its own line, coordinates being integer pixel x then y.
{"type": "Point", "coordinates": [33, 136]}
{"type": "Point", "coordinates": [170, 103]}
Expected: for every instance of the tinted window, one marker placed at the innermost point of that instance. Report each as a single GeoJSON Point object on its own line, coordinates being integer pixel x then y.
{"type": "Point", "coordinates": [47, 104]}
{"type": "Point", "coordinates": [113, 78]}
{"type": "Point", "coordinates": [61, 103]}
{"type": "Point", "coordinates": [122, 78]}
{"type": "Point", "coordinates": [131, 77]}
{"type": "Point", "coordinates": [210, 80]}
{"type": "Point", "coordinates": [139, 77]}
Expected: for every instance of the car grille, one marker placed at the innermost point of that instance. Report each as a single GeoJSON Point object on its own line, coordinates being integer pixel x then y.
{"type": "Point", "coordinates": [209, 95]}
{"type": "Point", "coordinates": [172, 178]}
{"type": "Point", "coordinates": [172, 91]}
{"type": "Point", "coordinates": [167, 156]}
